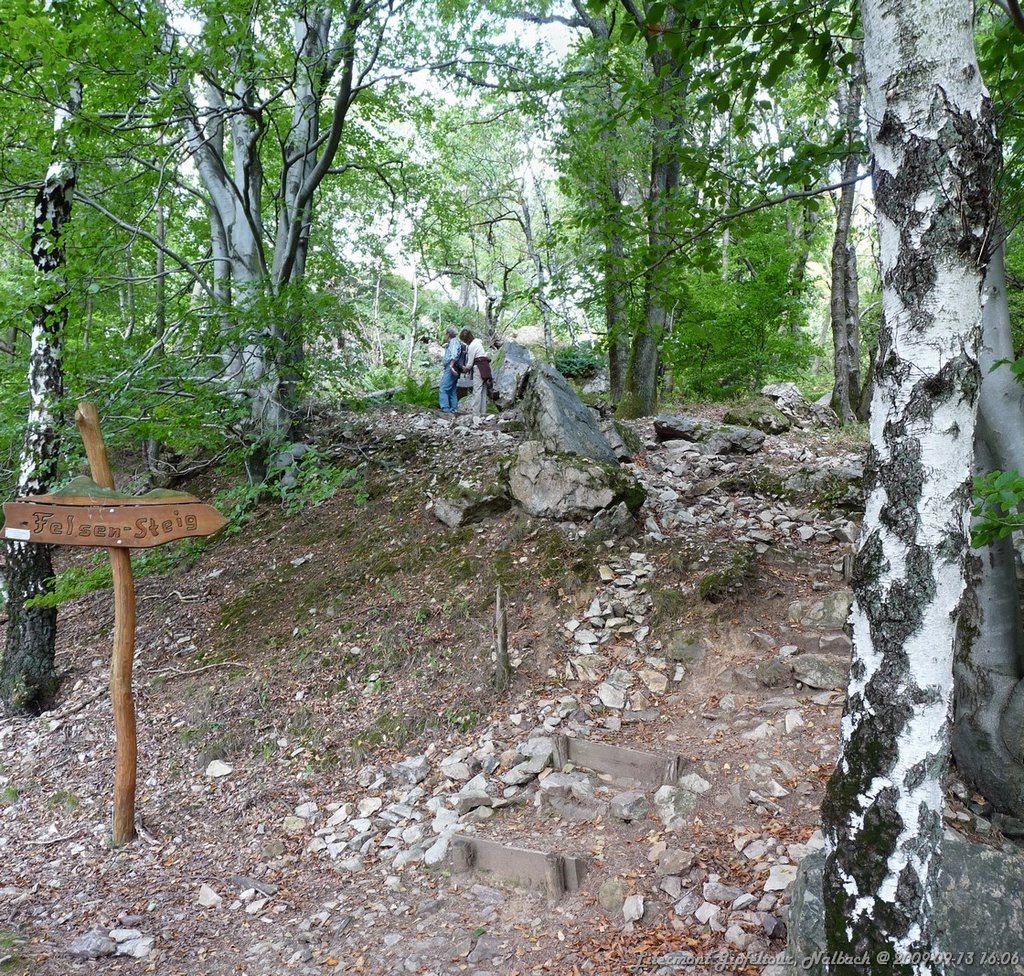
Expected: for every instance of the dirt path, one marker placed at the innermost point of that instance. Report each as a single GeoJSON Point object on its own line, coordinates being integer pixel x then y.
{"type": "Point", "coordinates": [314, 652]}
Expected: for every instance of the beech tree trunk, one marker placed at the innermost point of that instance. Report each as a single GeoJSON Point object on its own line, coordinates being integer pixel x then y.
{"type": "Point", "coordinates": [988, 731]}
{"type": "Point", "coordinates": [935, 155]}
{"type": "Point", "coordinates": [640, 397]}
{"type": "Point", "coordinates": [264, 353]}
{"type": "Point", "coordinates": [28, 679]}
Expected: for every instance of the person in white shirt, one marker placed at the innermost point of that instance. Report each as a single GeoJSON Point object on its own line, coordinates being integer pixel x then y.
{"type": "Point", "coordinates": [481, 371]}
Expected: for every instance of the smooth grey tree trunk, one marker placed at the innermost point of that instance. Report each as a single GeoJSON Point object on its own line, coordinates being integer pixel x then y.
{"type": "Point", "coordinates": [988, 730]}
{"type": "Point", "coordinates": [264, 356]}
{"type": "Point", "coordinates": [28, 679]}
{"type": "Point", "coordinates": [935, 156]}
{"type": "Point", "coordinates": [844, 303]}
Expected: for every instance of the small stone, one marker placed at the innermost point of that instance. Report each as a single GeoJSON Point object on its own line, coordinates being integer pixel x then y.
{"type": "Point", "coordinates": [674, 862]}
{"type": "Point", "coordinates": [672, 886]}
{"type": "Point", "coordinates": [756, 850]}
{"type": "Point", "coordinates": [735, 936]}
{"type": "Point", "coordinates": [633, 908]}
{"type": "Point", "coordinates": [706, 913]}
{"type": "Point", "coordinates": [370, 805]}
{"type": "Point", "coordinates": [306, 810]}
{"type": "Point", "coordinates": [413, 770]}
{"type": "Point", "coordinates": [92, 945]}
{"type": "Point", "coordinates": [217, 769]}
{"type": "Point", "coordinates": [780, 877]}
{"type": "Point", "coordinates": [694, 783]}
{"type": "Point", "coordinates": [656, 682]}
{"type": "Point", "coordinates": [209, 898]}
{"type": "Point", "coordinates": [674, 806]}
{"type": "Point", "coordinates": [437, 852]}
{"type": "Point", "coordinates": [294, 825]}
{"type": "Point", "coordinates": [610, 696]}
{"type": "Point", "coordinates": [612, 896]}
{"type": "Point", "coordinates": [721, 894]}
{"type": "Point", "coordinates": [815, 672]}
{"type": "Point", "coordinates": [630, 806]}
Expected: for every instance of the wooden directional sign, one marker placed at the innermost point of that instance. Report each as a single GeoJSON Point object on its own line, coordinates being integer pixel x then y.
{"type": "Point", "coordinates": [88, 512]}
{"type": "Point", "coordinates": [84, 514]}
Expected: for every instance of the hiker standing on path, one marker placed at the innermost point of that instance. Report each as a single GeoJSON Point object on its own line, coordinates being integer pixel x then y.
{"type": "Point", "coordinates": [481, 371]}
{"type": "Point", "coordinates": [448, 396]}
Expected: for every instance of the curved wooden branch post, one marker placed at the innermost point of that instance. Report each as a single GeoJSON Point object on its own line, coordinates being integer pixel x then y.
{"type": "Point", "coordinates": [89, 512]}
{"type": "Point", "coordinates": [87, 419]}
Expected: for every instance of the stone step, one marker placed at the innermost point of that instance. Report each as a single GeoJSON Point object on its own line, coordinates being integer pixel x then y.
{"type": "Point", "coordinates": [557, 874]}
{"type": "Point", "coordinates": [634, 765]}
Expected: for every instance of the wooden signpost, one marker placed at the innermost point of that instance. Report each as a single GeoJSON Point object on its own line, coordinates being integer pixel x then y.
{"type": "Point", "coordinates": [89, 512]}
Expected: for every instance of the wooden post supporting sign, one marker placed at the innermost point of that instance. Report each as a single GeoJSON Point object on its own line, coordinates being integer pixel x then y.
{"type": "Point", "coordinates": [89, 512]}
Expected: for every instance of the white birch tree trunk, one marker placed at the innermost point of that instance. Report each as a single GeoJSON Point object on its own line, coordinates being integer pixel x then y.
{"type": "Point", "coordinates": [935, 154]}
{"type": "Point", "coordinates": [28, 679]}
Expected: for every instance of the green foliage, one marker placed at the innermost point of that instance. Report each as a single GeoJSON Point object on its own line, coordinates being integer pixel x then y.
{"type": "Point", "coordinates": [421, 394]}
{"type": "Point", "coordinates": [734, 332]}
{"type": "Point", "coordinates": [578, 361]}
{"type": "Point", "coordinates": [997, 497]}
{"type": "Point", "coordinates": [77, 581]}
{"type": "Point", "coordinates": [311, 480]}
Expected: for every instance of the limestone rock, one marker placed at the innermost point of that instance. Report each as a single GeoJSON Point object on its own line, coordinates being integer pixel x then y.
{"type": "Point", "coordinates": [816, 672]}
{"type": "Point", "coordinates": [674, 806]}
{"type": "Point", "coordinates": [761, 414]}
{"type": "Point", "coordinates": [718, 438]}
{"type": "Point", "coordinates": [510, 367]}
{"type": "Point", "coordinates": [208, 898]}
{"type": "Point", "coordinates": [556, 417]}
{"type": "Point", "coordinates": [633, 908]}
{"type": "Point", "coordinates": [780, 877]}
{"type": "Point", "coordinates": [631, 805]}
{"type": "Point", "coordinates": [563, 485]}
{"type": "Point", "coordinates": [92, 945]}
{"type": "Point", "coordinates": [464, 509]}
{"type": "Point", "coordinates": [413, 770]}
{"type": "Point", "coordinates": [612, 896]}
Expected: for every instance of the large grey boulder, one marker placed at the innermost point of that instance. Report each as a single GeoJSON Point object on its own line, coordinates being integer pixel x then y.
{"type": "Point", "coordinates": [556, 417]}
{"type": "Point", "coordinates": [567, 486]}
{"type": "Point", "coordinates": [977, 908]}
{"type": "Point", "coordinates": [760, 414]}
{"type": "Point", "coordinates": [509, 372]}
{"type": "Point", "coordinates": [716, 438]}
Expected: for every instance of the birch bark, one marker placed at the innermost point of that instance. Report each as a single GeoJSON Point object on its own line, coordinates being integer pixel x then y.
{"type": "Point", "coordinates": [28, 679]}
{"type": "Point", "coordinates": [935, 155]}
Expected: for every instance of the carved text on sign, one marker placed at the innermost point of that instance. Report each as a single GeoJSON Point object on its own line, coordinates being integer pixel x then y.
{"type": "Point", "coordinates": [73, 518]}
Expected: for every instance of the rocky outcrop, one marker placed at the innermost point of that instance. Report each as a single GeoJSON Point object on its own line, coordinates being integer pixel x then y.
{"type": "Point", "coordinates": [565, 486]}
{"type": "Point", "coordinates": [559, 420]}
{"type": "Point", "coordinates": [510, 372]}
{"type": "Point", "coordinates": [467, 507]}
{"type": "Point", "coordinates": [715, 438]}
{"type": "Point", "coordinates": [797, 408]}
{"type": "Point", "coordinates": [761, 414]}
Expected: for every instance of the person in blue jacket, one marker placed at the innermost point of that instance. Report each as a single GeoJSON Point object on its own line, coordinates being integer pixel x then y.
{"type": "Point", "coordinates": [448, 396]}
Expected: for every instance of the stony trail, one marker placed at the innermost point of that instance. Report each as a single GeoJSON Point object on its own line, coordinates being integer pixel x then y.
{"type": "Point", "coordinates": [708, 641]}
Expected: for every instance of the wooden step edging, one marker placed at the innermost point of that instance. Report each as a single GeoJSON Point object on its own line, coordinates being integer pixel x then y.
{"type": "Point", "coordinates": [617, 761]}
{"type": "Point", "coordinates": [557, 874]}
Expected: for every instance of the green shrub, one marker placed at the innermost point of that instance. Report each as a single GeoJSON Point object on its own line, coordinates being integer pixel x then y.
{"type": "Point", "coordinates": [578, 361]}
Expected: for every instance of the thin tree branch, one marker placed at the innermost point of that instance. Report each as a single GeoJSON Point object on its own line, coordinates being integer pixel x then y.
{"type": "Point", "coordinates": [133, 229]}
